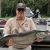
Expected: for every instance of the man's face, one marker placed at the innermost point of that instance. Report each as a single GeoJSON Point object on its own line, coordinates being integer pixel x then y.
{"type": "Point", "coordinates": [20, 12]}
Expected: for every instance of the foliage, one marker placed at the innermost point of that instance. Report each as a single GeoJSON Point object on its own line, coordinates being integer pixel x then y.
{"type": "Point", "coordinates": [8, 6]}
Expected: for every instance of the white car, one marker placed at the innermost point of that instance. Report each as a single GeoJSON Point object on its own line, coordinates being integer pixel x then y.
{"type": "Point", "coordinates": [29, 12]}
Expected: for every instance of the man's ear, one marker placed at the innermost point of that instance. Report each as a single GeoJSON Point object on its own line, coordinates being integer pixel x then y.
{"type": "Point", "coordinates": [16, 10]}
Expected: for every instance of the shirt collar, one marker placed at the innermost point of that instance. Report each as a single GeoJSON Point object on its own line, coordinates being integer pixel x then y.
{"type": "Point", "coordinates": [23, 21]}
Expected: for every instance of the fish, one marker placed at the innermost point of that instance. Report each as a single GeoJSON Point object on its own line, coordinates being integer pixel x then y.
{"type": "Point", "coordinates": [23, 38]}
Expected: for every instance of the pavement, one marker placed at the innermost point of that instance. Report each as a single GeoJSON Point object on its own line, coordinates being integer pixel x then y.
{"type": "Point", "coordinates": [3, 48]}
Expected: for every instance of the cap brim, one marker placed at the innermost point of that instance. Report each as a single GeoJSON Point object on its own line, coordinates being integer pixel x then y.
{"type": "Point", "coordinates": [21, 7]}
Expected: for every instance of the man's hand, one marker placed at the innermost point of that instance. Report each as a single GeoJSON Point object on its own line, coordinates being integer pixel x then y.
{"type": "Point", "coordinates": [39, 39]}
{"type": "Point", "coordinates": [10, 42]}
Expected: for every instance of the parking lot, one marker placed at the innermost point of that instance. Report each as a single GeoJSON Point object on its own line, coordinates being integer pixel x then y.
{"type": "Point", "coordinates": [35, 46]}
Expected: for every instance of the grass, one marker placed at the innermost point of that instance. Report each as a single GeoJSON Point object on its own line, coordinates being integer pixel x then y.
{"type": "Point", "coordinates": [45, 16]}
{"type": "Point", "coordinates": [7, 17]}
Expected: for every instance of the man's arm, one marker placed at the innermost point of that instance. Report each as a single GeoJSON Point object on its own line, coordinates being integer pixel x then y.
{"type": "Point", "coordinates": [7, 31]}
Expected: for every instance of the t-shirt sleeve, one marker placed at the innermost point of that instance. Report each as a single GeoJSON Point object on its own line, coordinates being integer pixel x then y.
{"type": "Point", "coordinates": [7, 27]}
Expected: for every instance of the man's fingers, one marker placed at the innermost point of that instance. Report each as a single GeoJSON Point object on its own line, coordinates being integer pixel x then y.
{"type": "Point", "coordinates": [10, 42]}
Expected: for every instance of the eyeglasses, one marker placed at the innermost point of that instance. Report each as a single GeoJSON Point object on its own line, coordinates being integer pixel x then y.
{"type": "Point", "coordinates": [21, 9]}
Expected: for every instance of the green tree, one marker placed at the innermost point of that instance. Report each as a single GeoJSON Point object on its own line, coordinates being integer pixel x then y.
{"type": "Point", "coordinates": [8, 6]}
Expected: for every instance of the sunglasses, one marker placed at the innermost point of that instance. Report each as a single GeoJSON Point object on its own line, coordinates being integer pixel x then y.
{"type": "Point", "coordinates": [21, 9]}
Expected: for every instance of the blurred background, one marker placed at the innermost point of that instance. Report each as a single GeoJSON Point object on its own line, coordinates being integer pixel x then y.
{"type": "Point", "coordinates": [8, 7]}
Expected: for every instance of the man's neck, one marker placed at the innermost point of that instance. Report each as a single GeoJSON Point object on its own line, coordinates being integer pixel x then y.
{"type": "Point", "coordinates": [20, 18]}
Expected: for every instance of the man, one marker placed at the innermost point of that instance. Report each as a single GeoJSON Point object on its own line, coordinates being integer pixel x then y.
{"type": "Point", "coordinates": [18, 24]}
{"type": "Point", "coordinates": [38, 13]}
